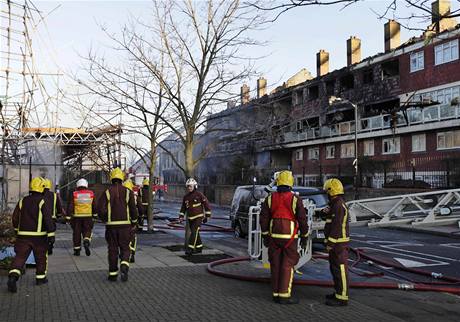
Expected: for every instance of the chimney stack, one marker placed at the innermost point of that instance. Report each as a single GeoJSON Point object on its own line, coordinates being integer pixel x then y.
{"type": "Point", "coordinates": [261, 87]}
{"type": "Point", "coordinates": [244, 94]}
{"type": "Point", "coordinates": [439, 8]}
{"type": "Point", "coordinates": [322, 63]}
{"type": "Point", "coordinates": [392, 35]}
{"type": "Point", "coordinates": [353, 50]}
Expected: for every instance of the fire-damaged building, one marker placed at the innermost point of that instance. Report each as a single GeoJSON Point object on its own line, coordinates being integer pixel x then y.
{"type": "Point", "coordinates": [400, 107]}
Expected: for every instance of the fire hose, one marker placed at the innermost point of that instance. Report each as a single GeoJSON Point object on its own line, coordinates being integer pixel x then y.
{"type": "Point", "coordinates": [413, 286]}
{"type": "Point", "coordinates": [176, 225]}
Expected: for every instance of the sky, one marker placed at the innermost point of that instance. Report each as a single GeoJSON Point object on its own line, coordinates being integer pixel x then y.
{"type": "Point", "coordinates": [73, 28]}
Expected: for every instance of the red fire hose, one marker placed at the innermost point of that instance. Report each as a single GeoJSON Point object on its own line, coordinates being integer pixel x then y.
{"type": "Point", "coordinates": [322, 283]}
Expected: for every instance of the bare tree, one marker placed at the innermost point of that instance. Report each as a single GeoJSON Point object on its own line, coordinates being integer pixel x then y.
{"type": "Point", "coordinates": [202, 45]}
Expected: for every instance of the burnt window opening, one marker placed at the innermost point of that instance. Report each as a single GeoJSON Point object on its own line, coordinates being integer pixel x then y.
{"type": "Point", "coordinates": [390, 68]}
{"type": "Point", "coordinates": [340, 116]}
{"type": "Point", "coordinates": [313, 92]}
{"type": "Point", "coordinates": [347, 82]}
{"type": "Point", "coordinates": [311, 123]}
{"type": "Point", "coordinates": [368, 76]}
{"type": "Point", "coordinates": [330, 87]}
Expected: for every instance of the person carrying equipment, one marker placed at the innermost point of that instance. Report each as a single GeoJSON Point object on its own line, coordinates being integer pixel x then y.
{"type": "Point", "coordinates": [282, 220]}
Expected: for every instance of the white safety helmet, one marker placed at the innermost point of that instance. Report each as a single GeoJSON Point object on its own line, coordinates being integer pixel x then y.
{"type": "Point", "coordinates": [82, 183]}
{"type": "Point", "coordinates": [191, 182]}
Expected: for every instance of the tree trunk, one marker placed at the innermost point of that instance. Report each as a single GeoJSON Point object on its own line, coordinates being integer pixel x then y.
{"type": "Point", "coordinates": [189, 161]}
{"type": "Point", "coordinates": [153, 159]}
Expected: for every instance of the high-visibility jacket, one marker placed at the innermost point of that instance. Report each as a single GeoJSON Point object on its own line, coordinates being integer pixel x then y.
{"type": "Point", "coordinates": [82, 204]}
{"type": "Point", "coordinates": [117, 207]}
{"type": "Point", "coordinates": [195, 205]}
{"type": "Point", "coordinates": [54, 201]}
{"type": "Point", "coordinates": [32, 217]}
{"type": "Point", "coordinates": [283, 216]}
{"type": "Point", "coordinates": [337, 228]}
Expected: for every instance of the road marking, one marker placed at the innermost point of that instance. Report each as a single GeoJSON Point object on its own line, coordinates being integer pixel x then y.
{"type": "Point", "coordinates": [409, 263]}
{"type": "Point", "coordinates": [452, 245]}
{"type": "Point", "coordinates": [399, 254]}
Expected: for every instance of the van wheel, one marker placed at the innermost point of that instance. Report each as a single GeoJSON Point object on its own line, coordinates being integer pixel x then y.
{"type": "Point", "coordinates": [238, 232]}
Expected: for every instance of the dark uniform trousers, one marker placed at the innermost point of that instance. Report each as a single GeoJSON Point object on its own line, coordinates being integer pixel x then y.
{"type": "Point", "coordinates": [338, 264]}
{"type": "Point", "coordinates": [194, 241]}
{"type": "Point", "coordinates": [118, 239]}
{"type": "Point", "coordinates": [142, 215]}
{"type": "Point", "coordinates": [82, 226]}
{"type": "Point", "coordinates": [23, 247]}
{"type": "Point", "coordinates": [282, 261]}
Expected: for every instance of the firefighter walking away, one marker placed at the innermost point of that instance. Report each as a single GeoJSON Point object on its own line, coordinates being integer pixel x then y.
{"type": "Point", "coordinates": [35, 231]}
{"type": "Point", "coordinates": [337, 238]}
{"type": "Point", "coordinates": [195, 208]}
{"type": "Point", "coordinates": [133, 241]}
{"type": "Point", "coordinates": [82, 213]}
{"type": "Point", "coordinates": [282, 220]}
{"type": "Point", "coordinates": [117, 209]}
{"type": "Point", "coordinates": [53, 199]}
{"type": "Point", "coordinates": [143, 207]}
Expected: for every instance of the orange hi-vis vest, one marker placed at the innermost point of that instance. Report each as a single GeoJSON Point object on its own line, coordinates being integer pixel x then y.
{"type": "Point", "coordinates": [83, 203]}
{"type": "Point", "coordinates": [282, 206]}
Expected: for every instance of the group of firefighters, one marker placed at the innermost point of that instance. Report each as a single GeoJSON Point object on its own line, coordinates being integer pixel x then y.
{"type": "Point", "coordinates": [283, 221]}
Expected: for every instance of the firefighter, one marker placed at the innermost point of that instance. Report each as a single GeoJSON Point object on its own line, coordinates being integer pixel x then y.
{"type": "Point", "coordinates": [117, 209]}
{"type": "Point", "coordinates": [82, 214]}
{"type": "Point", "coordinates": [282, 217]}
{"type": "Point", "coordinates": [133, 241]}
{"type": "Point", "coordinates": [53, 199]}
{"type": "Point", "coordinates": [142, 205]}
{"type": "Point", "coordinates": [196, 209]}
{"type": "Point", "coordinates": [35, 231]}
{"type": "Point", "coordinates": [337, 238]}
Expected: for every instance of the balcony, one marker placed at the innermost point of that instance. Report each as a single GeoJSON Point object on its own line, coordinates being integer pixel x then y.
{"type": "Point", "coordinates": [376, 123]}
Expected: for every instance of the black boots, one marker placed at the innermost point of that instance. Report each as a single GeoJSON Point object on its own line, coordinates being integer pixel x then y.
{"type": "Point", "coordinates": [41, 281]}
{"type": "Point", "coordinates": [76, 252]}
{"type": "Point", "coordinates": [336, 302]}
{"type": "Point", "coordinates": [131, 257]}
{"type": "Point", "coordinates": [288, 300]}
{"type": "Point", "coordinates": [124, 273]}
{"type": "Point", "coordinates": [12, 287]}
{"type": "Point", "coordinates": [86, 246]}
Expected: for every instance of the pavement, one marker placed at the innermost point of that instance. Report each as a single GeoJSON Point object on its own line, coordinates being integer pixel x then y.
{"type": "Point", "coordinates": [165, 286]}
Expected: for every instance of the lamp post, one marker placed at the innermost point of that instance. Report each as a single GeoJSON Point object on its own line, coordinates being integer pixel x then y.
{"type": "Point", "coordinates": [333, 101]}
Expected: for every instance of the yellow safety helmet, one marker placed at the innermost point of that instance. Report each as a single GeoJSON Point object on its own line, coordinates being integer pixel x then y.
{"type": "Point", "coordinates": [37, 184]}
{"type": "Point", "coordinates": [146, 182]}
{"type": "Point", "coordinates": [285, 178]}
{"type": "Point", "coordinates": [333, 187]}
{"type": "Point", "coordinates": [48, 183]}
{"type": "Point", "coordinates": [129, 184]}
{"type": "Point", "coordinates": [117, 173]}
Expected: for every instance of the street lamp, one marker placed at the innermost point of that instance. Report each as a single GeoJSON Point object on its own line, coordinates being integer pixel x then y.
{"type": "Point", "coordinates": [333, 100]}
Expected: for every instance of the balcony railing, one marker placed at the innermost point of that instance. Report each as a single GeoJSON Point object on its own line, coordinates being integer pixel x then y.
{"type": "Point", "coordinates": [376, 123]}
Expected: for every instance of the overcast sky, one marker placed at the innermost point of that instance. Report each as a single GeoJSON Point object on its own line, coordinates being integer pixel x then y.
{"type": "Point", "coordinates": [293, 40]}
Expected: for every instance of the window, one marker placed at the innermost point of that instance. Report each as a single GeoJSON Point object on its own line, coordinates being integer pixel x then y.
{"type": "Point", "coordinates": [418, 142]}
{"type": "Point", "coordinates": [390, 68]}
{"type": "Point", "coordinates": [449, 140]}
{"type": "Point", "coordinates": [313, 92]}
{"type": "Point", "coordinates": [347, 150]}
{"type": "Point", "coordinates": [330, 151]}
{"type": "Point", "coordinates": [347, 82]}
{"type": "Point", "coordinates": [299, 154]}
{"type": "Point", "coordinates": [298, 97]}
{"type": "Point", "coordinates": [368, 76]}
{"type": "Point", "coordinates": [391, 146]}
{"type": "Point", "coordinates": [313, 154]}
{"type": "Point", "coordinates": [369, 148]}
{"type": "Point", "coordinates": [298, 126]}
{"type": "Point", "coordinates": [330, 87]}
{"type": "Point", "coordinates": [416, 61]}
{"type": "Point", "coordinates": [446, 52]}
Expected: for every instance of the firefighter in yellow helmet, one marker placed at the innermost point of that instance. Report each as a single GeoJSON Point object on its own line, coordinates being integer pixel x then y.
{"type": "Point", "coordinates": [35, 231]}
{"type": "Point", "coordinates": [133, 241]}
{"type": "Point", "coordinates": [283, 220]}
{"type": "Point", "coordinates": [117, 209]}
{"type": "Point", "coordinates": [82, 214]}
{"type": "Point", "coordinates": [337, 238]}
{"type": "Point", "coordinates": [53, 199]}
{"type": "Point", "coordinates": [142, 206]}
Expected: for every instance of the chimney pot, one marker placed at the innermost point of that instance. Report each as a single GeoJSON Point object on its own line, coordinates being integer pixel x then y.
{"type": "Point", "coordinates": [392, 35]}
{"type": "Point", "coordinates": [245, 94]}
{"type": "Point", "coordinates": [439, 8]}
{"type": "Point", "coordinates": [261, 87]}
{"type": "Point", "coordinates": [322, 63]}
{"type": "Point", "coordinates": [353, 50]}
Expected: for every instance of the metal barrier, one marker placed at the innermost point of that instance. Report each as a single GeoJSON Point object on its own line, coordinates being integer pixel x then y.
{"type": "Point", "coordinates": [427, 208]}
{"type": "Point", "coordinates": [257, 250]}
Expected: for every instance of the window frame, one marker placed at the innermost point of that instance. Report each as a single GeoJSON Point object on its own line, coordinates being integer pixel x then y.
{"type": "Point", "coordinates": [365, 150]}
{"type": "Point", "coordinates": [297, 153]}
{"type": "Point", "coordinates": [417, 55]}
{"type": "Point", "coordinates": [440, 49]}
{"type": "Point", "coordinates": [329, 156]}
{"type": "Point", "coordinates": [310, 153]}
{"type": "Point", "coordinates": [424, 142]}
{"type": "Point", "coordinates": [395, 139]}
{"type": "Point", "coordinates": [453, 133]}
{"type": "Point", "coordinates": [346, 156]}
